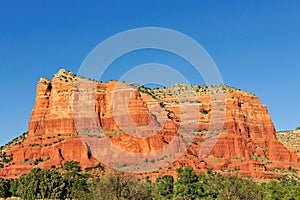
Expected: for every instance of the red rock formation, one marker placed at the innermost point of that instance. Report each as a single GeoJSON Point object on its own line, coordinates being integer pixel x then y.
{"type": "Point", "coordinates": [246, 145]}
{"type": "Point", "coordinates": [290, 139]}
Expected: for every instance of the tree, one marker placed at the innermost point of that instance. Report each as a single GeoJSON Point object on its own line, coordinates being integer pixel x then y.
{"type": "Point", "coordinates": [120, 186]}
{"type": "Point", "coordinates": [28, 185]}
{"type": "Point", "coordinates": [72, 166]}
{"type": "Point", "coordinates": [165, 189]}
{"type": "Point", "coordinates": [187, 186]}
{"type": "Point", "coordinates": [40, 184]}
{"type": "Point", "coordinates": [13, 187]}
{"type": "Point", "coordinates": [286, 189]}
{"type": "Point", "coordinates": [51, 184]}
{"type": "Point", "coordinates": [239, 189]}
{"type": "Point", "coordinates": [211, 183]}
{"type": "Point", "coordinates": [4, 188]}
{"type": "Point", "coordinates": [77, 185]}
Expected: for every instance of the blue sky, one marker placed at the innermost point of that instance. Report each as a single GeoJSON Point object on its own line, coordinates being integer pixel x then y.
{"type": "Point", "coordinates": [255, 44]}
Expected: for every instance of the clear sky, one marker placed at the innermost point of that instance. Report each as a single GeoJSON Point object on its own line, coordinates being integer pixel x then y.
{"type": "Point", "coordinates": [255, 44]}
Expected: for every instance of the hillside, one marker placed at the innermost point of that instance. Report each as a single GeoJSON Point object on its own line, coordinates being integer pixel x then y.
{"type": "Point", "coordinates": [290, 139]}
{"type": "Point", "coordinates": [64, 127]}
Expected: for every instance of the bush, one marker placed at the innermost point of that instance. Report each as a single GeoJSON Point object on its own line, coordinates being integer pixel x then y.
{"type": "Point", "coordinates": [4, 188]}
{"type": "Point", "coordinates": [73, 184]}
{"type": "Point", "coordinates": [40, 184]}
{"type": "Point", "coordinates": [165, 188]}
{"type": "Point", "coordinates": [118, 185]}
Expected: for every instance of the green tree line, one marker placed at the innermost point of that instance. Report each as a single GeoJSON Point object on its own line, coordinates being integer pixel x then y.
{"type": "Point", "coordinates": [71, 182]}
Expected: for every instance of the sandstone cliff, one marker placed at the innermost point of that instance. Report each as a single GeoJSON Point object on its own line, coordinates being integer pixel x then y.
{"type": "Point", "coordinates": [246, 144]}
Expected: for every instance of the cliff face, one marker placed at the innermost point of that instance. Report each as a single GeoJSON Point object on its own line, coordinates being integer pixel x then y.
{"type": "Point", "coordinates": [246, 144]}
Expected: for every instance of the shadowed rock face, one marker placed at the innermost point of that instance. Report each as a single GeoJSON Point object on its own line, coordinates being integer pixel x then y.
{"type": "Point", "coordinates": [246, 144]}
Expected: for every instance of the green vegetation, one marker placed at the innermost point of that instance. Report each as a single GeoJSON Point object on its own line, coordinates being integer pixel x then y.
{"type": "Point", "coordinates": [98, 166]}
{"type": "Point", "coordinates": [69, 182]}
{"type": "Point", "coordinates": [17, 140]}
{"type": "Point", "coordinates": [118, 185]}
{"type": "Point", "coordinates": [40, 184]}
{"type": "Point", "coordinates": [165, 187]}
{"type": "Point", "coordinates": [49, 184]}
{"type": "Point", "coordinates": [4, 188]}
{"type": "Point", "coordinates": [146, 90]}
{"type": "Point", "coordinates": [205, 112]}
{"type": "Point", "coordinates": [169, 111]}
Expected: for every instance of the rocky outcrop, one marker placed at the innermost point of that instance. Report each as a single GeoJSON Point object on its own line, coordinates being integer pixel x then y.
{"type": "Point", "coordinates": [135, 119]}
{"type": "Point", "coordinates": [290, 139]}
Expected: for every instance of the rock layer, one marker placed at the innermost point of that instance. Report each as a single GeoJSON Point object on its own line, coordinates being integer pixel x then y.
{"type": "Point", "coordinates": [142, 120]}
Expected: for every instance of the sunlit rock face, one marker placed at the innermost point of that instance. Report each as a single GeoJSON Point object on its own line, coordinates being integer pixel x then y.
{"type": "Point", "coordinates": [142, 120]}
